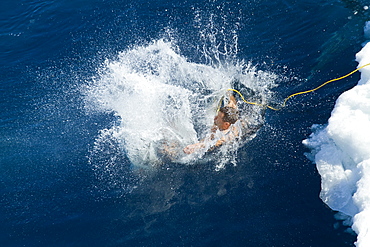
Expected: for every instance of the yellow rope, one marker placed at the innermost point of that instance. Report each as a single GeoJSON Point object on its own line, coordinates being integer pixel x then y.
{"type": "Point", "coordinates": [252, 103]}
{"type": "Point", "coordinates": [292, 95]}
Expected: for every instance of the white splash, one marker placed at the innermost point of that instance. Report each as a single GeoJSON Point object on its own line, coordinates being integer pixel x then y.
{"type": "Point", "coordinates": [165, 102]}
{"type": "Point", "coordinates": [341, 151]}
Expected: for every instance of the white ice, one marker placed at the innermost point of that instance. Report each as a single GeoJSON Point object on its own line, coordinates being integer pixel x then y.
{"type": "Point", "coordinates": [341, 151]}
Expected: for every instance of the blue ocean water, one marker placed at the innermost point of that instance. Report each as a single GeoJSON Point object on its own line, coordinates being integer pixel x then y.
{"type": "Point", "coordinates": [57, 190]}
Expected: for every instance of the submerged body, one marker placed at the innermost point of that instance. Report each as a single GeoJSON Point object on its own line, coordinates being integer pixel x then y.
{"type": "Point", "coordinates": [230, 129]}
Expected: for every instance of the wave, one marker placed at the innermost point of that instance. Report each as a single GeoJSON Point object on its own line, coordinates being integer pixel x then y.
{"type": "Point", "coordinates": [341, 151]}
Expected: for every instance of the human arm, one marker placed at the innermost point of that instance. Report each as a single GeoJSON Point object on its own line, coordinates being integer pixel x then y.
{"type": "Point", "coordinates": [197, 146]}
{"type": "Point", "coordinates": [194, 147]}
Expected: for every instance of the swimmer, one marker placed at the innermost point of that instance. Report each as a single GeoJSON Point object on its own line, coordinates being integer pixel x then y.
{"type": "Point", "coordinates": [223, 130]}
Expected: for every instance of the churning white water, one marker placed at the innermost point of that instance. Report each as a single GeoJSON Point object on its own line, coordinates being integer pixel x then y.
{"type": "Point", "coordinates": [164, 101]}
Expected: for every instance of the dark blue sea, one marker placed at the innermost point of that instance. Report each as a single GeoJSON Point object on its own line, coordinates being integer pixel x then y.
{"type": "Point", "coordinates": [62, 185]}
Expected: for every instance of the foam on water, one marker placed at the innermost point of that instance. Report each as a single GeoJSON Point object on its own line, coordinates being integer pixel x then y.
{"type": "Point", "coordinates": [341, 151]}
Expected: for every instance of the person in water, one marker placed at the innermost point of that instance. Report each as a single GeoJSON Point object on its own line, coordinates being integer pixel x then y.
{"type": "Point", "coordinates": [223, 130]}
